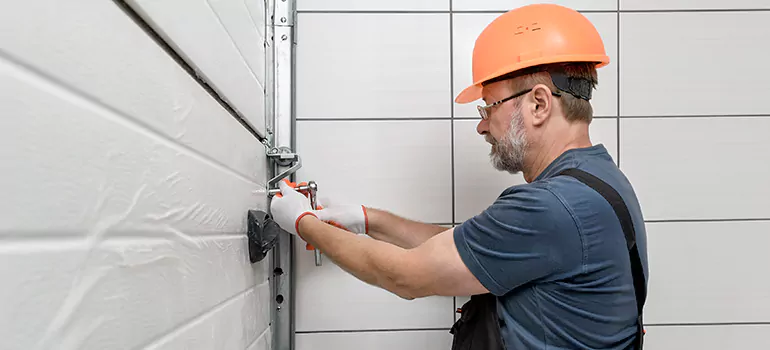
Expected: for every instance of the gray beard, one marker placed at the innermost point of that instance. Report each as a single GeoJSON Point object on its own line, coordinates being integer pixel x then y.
{"type": "Point", "coordinates": [508, 153]}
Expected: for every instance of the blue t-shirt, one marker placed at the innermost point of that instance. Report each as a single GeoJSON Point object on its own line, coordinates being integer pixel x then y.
{"type": "Point", "coordinates": [554, 253]}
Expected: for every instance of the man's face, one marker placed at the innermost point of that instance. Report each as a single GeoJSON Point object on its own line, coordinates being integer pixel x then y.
{"type": "Point", "coordinates": [505, 131]}
{"type": "Point", "coordinates": [507, 153]}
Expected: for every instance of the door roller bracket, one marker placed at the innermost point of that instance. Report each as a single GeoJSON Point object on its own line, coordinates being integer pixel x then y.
{"type": "Point", "coordinates": [283, 157]}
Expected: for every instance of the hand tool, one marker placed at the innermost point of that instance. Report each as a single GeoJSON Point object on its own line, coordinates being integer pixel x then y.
{"type": "Point", "coordinates": [309, 189]}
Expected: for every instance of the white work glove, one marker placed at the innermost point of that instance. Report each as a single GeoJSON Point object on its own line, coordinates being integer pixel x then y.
{"type": "Point", "coordinates": [352, 218]}
{"type": "Point", "coordinates": [288, 207]}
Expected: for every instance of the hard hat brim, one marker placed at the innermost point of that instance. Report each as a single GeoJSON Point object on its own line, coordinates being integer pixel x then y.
{"type": "Point", "coordinates": [473, 92]}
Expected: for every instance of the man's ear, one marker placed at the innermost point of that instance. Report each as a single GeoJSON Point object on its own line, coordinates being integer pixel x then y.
{"type": "Point", "coordinates": [542, 104]}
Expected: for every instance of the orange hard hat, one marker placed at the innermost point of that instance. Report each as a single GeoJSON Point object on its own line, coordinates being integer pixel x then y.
{"type": "Point", "coordinates": [529, 36]}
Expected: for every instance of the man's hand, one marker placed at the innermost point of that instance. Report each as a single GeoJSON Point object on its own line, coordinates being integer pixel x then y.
{"type": "Point", "coordinates": [289, 207]}
{"type": "Point", "coordinates": [352, 218]}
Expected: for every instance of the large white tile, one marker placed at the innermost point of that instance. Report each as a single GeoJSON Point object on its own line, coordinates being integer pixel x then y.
{"type": "Point", "coordinates": [93, 48]}
{"type": "Point", "coordinates": [692, 4]}
{"type": "Point", "coordinates": [467, 27]}
{"type": "Point", "coordinates": [121, 293]}
{"type": "Point", "coordinates": [698, 168]}
{"type": "Point", "coordinates": [709, 272]}
{"type": "Point", "coordinates": [232, 30]}
{"type": "Point", "coordinates": [694, 63]}
{"type": "Point", "coordinates": [328, 298]}
{"type": "Point", "coordinates": [379, 5]}
{"type": "Point", "coordinates": [403, 340]}
{"type": "Point", "coordinates": [506, 5]}
{"type": "Point", "coordinates": [373, 66]}
{"type": "Point", "coordinates": [478, 184]}
{"type": "Point", "coordinates": [707, 337]}
{"type": "Point", "coordinates": [400, 166]}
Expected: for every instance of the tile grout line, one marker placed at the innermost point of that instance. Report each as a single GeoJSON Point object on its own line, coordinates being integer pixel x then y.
{"type": "Point", "coordinates": [417, 119]}
{"type": "Point", "coordinates": [420, 12]}
{"type": "Point", "coordinates": [385, 330]}
{"type": "Point", "coordinates": [452, 126]}
{"type": "Point", "coordinates": [707, 324]}
{"type": "Point", "coordinates": [697, 221]}
{"type": "Point", "coordinates": [394, 330]}
{"type": "Point", "coordinates": [653, 221]}
{"type": "Point", "coordinates": [618, 86]}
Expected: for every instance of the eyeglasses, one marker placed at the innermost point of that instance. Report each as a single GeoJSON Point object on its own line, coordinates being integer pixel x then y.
{"type": "Point", "coordinates": [483, 109]}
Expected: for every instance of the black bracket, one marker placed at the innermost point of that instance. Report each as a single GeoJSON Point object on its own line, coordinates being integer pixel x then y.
{"type": "Point", "coordinates": [263, 234]}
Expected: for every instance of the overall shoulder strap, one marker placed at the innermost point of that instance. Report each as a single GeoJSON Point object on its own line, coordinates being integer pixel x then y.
{"type": "Point", "coordinates": [621, 211]}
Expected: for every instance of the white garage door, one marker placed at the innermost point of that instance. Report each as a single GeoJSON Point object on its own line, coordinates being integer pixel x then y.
{"type": "Point", "coordinates": [125, 184]}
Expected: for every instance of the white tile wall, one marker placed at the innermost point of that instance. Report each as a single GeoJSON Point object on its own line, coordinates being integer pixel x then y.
{"type": "Point", "coordinates": [349, 67]}
{"type": "Point", "coordinates": [697, 176]}
{"type": "Point", "coordinates": [402, 340]}
{"type": "Point", "coordinates": [657, 5]}
{"type": "Point", "coordinates": [356, 5]}
{"type": "Point", "coordinates": [708, 272]}
{"type": "Point", "coordinates": [390, 164]}
{"type": "Point", "coordinates": [693, 63]}
{"type": "Point", "coordinates": [698, 168]}
{"type": "Point", "coordinates": [505, 5]}
{"type": "Point", "coordinates": [705, 337]}
{"type": "Point", "coordinates": [330, 299]}
{"type": "Point", "coordinates": [466, 27]}
{"type": "Point", "coordinates": [387, 159]}
{"type": "Point", "coordinates": [125, 191]}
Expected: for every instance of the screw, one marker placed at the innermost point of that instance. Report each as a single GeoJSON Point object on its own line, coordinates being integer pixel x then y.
{"type": "Point", "coordinates": [283, 19]}
{"type": "Point", "coordinates": [284, 37]}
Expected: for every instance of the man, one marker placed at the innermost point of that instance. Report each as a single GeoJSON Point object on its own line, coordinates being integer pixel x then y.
{"type": "Point", "coordinates": [552, 250]}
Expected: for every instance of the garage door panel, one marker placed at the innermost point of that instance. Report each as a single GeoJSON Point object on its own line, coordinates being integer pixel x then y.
{"type": "Point", "coordinates": [235, 324]}
{"type": "Point", "coordinates": [227, 28]}
{"type": "Point", "coordinates": [71, 164]}
{"type": "Point", "coordinates": [101, 53]}
{"type": "Point", "coordinates": [120, 293]}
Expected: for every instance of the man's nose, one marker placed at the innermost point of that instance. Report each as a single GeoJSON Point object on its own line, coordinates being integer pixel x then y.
{"type": "Point", "coordinates": [482, 127]}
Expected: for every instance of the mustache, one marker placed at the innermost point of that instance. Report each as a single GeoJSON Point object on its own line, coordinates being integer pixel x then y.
{"type": "Point", "coordinates": [490, 139]}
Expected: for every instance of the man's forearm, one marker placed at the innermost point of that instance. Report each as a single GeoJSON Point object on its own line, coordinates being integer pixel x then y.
{"type": "Point", "coordinates": [377, 263]}
{"type": "Point", "coordinates": [405, 233]}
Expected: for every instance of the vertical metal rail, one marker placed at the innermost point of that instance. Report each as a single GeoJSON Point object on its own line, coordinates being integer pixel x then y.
{"type": "Point", "coordinates": [281, 18]}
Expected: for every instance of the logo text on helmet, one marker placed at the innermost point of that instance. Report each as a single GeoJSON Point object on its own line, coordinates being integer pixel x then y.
{"type": "Point", "coordinates": [527, 28]}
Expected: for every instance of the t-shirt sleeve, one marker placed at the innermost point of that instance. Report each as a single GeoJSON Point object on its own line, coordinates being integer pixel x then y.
{"type": "Point", "coordinates": [526, 235]}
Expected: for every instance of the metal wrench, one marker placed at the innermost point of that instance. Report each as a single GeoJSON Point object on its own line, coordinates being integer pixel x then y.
{"type": "Point", "coordinates": [311, 189]}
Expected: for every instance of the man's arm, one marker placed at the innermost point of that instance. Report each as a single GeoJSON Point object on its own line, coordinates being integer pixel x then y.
{"type": "Point", "coordinates": [432, 268]}
{"type": "Point", "coordinates": [405, 233]}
